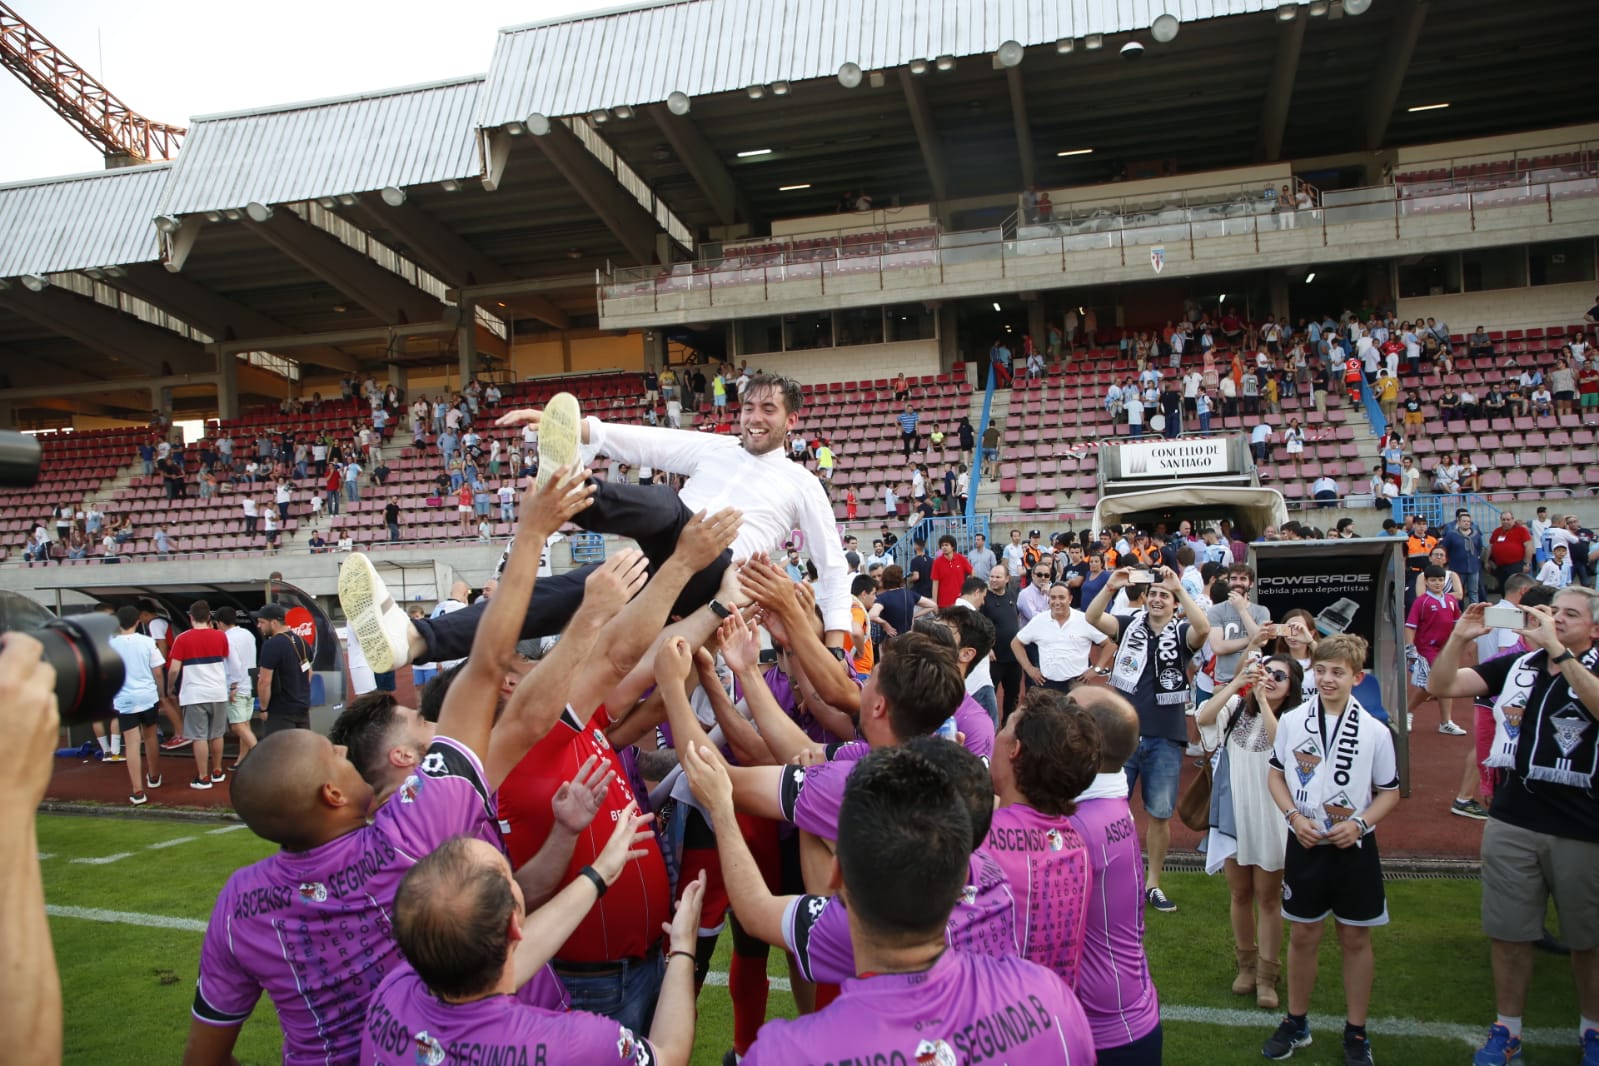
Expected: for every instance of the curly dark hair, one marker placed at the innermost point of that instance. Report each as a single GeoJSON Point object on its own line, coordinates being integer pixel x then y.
{"type": "Point", "coordinates": [1058, 754]}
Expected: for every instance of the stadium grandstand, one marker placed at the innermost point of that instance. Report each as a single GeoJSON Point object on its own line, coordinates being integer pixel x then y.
{"type": "Point", "coordinates": [892, 196]}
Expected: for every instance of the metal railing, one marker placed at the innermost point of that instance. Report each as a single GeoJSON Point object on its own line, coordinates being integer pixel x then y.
{"type": "Point", "coordinates": [962, 527]}
{"type": "Point", "coordinates": [1091, 242]}
{"type": "Point", "coordinates": [1439, 509]}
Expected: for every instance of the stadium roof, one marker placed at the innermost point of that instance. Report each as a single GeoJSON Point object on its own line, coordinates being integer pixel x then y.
{"type": "Point", "coordinates": [583, 63]}
{"type": "Point", "coordinates": [303, 151]}
{"type": "Point", "coordinates": [81, 221]}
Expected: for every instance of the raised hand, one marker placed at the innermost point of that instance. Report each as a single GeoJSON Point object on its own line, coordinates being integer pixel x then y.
{"type": "Point", "coordinates": [705, 537]}
{"type": "Point", "coordinates": [552, 506]}
{"type": "Point", "coordinates": [629, 840]}
{"type": "Point", "coordinates": [519, 416]}
{"type": "Point", "coordinates": [577, 801]}
{"type": "Point", "coordinates": [673, 662]}
{"type": "Point", "coordinates": [616, 581]}
{"type": "Point", "coordinates": [740, 644]}
{"type": "Point", "coordinates": [770, 586]}
{"type": "Point", "coordinates": [711, 784]}
{"type": "Point", "coordinates": [684, 929]}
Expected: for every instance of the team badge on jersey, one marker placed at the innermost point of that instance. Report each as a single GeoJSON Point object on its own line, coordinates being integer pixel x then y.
{"type": "Point", "coordinates": [1055, 839]}
{"type": "Point", "coordinates": [429, 1052]}
{"type": "Point", "coordinates": [313, 892]}
{"type": "Point", "coordinates": [410, 789]}
{"type": "Point", "coordinates": [935, 1053]}
{"type": "Point", "coordinates": [969, 895]}
{"type": "Point", "coordinates": [599, 738]}
{"type": "Point", "coordinates": [1306, 758]}
{"type": "Point", "coordinates": [630, 1048]}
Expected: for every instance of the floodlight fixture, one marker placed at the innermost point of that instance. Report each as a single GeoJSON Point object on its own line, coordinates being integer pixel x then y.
{"type": "Point", "coordinates": [1287, 12]}
{"type": "Point", "coordinates": [780, 88]}
{"type": "Point", "coordinates": [850, 75]}
{"type": "Point", "coordinates": [257, 211]}
{"type": "Point", "coordinates": [1010, 54]}
{"type": "Point", "coordinates": [945, 63]}
{"type": "Point", "coordinates": [918, 67]}
{"type": "Point", "coordinates": [1318, 8]}
{"type": "Point", "coordinates": [167, 224]}
{"type": "Point", "coordinates": [599, 116]}
{"type": "Point", "coordinates": [1066, 46]}
{"type": "Point", "coordinates": [1094, 42]}
{"type": "Point", "coordinates": [678, 103]}
{"type": "Point", "coordinates": [515, 129]}
{"type": "Point", "coordinates": [233, 214]}
{"type": "Point", "coordinates": [624, 112]}
{"type": "Point", "coordinates": [35, 282]}
{"type": "Point", "coordinates": [1164, 28]}
{"type": "Point", "coordinates": [756, 91]}
{"type": "Point", "coordinates": [1356, 7]}
{"type": "Point", "coordinates": [538, 125]}
{"type": "Point", "coordinates": [392, 195]}
{"type": "Point", "coordinates": [450, 185]}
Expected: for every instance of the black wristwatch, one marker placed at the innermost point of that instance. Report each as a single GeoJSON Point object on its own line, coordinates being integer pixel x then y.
{"type": "Point", "coordinates": [719, 609]}
{"type": "Point", "coordinates": [837, 653]}
{"type": "Point", "coordinates": [1564, 657]}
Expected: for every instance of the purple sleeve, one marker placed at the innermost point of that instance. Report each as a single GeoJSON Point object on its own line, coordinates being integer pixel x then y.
{"type": "Point", "coordinates": [546, 991]}
{"type": "Point", "coordinates": [978, 728]}
{"type": "Point", "coordinates": [593, 1038]}
{"type": "Point", "coordinates": [816, 930]}
{"type": "Point", "coordinates": [225, 994]}
{"type": "Point", "coordinates": [821, 793]}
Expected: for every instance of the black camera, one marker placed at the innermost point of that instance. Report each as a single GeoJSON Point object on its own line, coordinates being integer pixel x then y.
{"type": "Point", "coordinates": [89, 671]}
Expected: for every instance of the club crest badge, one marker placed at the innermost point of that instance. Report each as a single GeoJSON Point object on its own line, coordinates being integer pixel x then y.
{"type": "Point", "coordinates": [1157, 258]}
{"type": "Point", "coordinates": [1513, 715]}
{"type": "Point", "coordinates": [1055, 839]}
{"type": "Point", "coordinates": [1569, 725]}
{"type": "Point", "coordinates": [1307, 757]}
{"type": "Point", "coordinates": [935, 1053]}
{"type": "Point", "coordinates": [1339, 809]}
{"type": "Point", "coordinates": [410, 789]}
{"type": "Point", "coordinates": [429, 1052]}
{"type": "Point", "coordinates": [313, 892]}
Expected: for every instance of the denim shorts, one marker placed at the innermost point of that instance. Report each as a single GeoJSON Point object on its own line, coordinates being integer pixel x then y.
{"type": "Point", "coordinates": [1159, 762]}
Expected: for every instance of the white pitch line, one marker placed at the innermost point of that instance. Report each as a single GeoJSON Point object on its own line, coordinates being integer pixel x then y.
{"type": "Point", "coordinates": [1332, 1027]}
{"type": "Point", "coordinates": [226, 829]}
{"type": "Point", "coordinates": [103, 859]}
{"type": "Point", "coordinates": [153, 921]}
{"type": "Point", "coordinates": [174, 842]}
{"type": "Point", "coordinates": [43, 855]}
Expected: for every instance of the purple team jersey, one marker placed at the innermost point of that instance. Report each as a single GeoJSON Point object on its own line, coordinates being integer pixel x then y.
{"type": "Point", "coordinates": [816, 928]}
{"type": "Point", "coordinates": [1113, 982]}
{"type": "Point", "coordinates": [965, 1009]}
{"type": "Point", "coordinates": [810, 796]}
{"type": "Point", "coordinates": [406, 1025]}
{"type": "Point", "coordinates": [312, 928]}
{"type": "Point", "coordinates": [1048, 868]}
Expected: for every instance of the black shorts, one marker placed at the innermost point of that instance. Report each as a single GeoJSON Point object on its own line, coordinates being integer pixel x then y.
{"type": "Point", "coordinates": [277, 723]}
{"type": "Point", "coordinates": [138, 719]}
{"type": "Point", "coordinates": [1343, 882]}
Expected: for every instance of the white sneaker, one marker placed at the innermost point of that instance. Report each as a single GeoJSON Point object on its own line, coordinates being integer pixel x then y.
{"type": "Point", "coordinates": [376, 620]}
{"type": "Point", "coordinates": [559, 436]}
{"type": "Point", "coordinates": [1452, 729]}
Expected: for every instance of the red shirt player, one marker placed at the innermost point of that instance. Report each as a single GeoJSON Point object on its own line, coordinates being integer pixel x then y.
{"type": "Point", "coordinates": [950, 571]}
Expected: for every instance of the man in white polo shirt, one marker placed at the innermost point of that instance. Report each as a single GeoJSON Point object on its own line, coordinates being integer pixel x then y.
{"type": "Point", "coordinates": [1065, 641]}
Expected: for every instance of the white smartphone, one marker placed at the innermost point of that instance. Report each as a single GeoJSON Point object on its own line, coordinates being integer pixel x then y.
{"type": "Point", "coordinates": [1141, 577]}
{"type": "Point", "coordinates": [1504, 616]}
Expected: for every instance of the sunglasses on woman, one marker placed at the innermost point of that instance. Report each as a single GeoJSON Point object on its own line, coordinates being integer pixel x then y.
{"type": "Point", "coordinates": [1279, 676]}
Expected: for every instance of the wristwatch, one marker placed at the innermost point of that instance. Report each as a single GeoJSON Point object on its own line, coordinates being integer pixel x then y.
{"type": "Point", "coordinates": [1365, 826]}
{"type": "Point", "coordinates": [837, 653]}
{"type": "Point", "coordinates": [719, 609]}
{"type": "Point", "coordinates": [1565, 656]}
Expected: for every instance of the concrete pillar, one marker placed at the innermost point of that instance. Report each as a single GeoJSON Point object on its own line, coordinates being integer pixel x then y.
{"type": "Point", "coordinates": [227, 385]}
{"type": "Point", "coordinates": [566, 351]}
{"type": "Point", "coordinates": [161, 398]}
{"type": "Point", "coordinates": [655, 349]}
{"type": "Point", "coordinates": [8, 415]}
{"type": "Point", "coordinates": [1277, 293]}
{"type": "Point", "coordinates": [466, 342]}
{"type": "Point", "coordinates": [398, 377]}
{"type": "Point", "coordinates": [949, 352]}
{"type": "Point", "coordinates": [1036, 324]}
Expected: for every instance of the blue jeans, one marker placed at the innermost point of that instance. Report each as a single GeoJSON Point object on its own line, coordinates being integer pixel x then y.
{"type": "Point", "coordinates": [1204, 422]}
{"type": "Point", "coordinates": [352, 489]}
{"type": "Point", "coordinates": [333, 501]}
{"type": "Point", "coordinates": [1473, 583]}
{"type": "Point", "coordinates": [1160, 762]}
{"type": "Point", "coordinates": [626, 996]}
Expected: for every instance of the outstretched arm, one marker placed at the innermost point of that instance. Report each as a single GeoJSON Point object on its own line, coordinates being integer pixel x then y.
{"type": "Point", "coordinates": [537, 703]}
{"type": "Point", "coordinates": [775, 593]}
{"type": "Point", "coordinates": [624, 670]}
{"type": "Point", "coordinates": [741, 650]}
{"type": "Point", "coordinates": [574, 805]}
{"type": "Point", "coordinates": [468, 711]}
{"type": "Point", "coordinates": [760, 913]}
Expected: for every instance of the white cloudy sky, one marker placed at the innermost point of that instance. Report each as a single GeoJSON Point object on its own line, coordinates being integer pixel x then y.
{"type": "Point", "coordinates": [172, 59]}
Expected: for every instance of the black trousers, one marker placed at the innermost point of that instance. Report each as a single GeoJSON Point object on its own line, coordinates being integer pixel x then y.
{"type": "Point", "coordinates": [653, 515]}
{"type": "Point", "coordinates": [1008, 679]}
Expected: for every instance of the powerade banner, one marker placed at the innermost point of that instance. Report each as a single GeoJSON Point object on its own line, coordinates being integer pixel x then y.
{"type": "Point", "coordinates": [1347, 586]}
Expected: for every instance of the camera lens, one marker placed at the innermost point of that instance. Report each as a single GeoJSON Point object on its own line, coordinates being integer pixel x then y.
{"type": "Point", "coordinates": [89, 671]}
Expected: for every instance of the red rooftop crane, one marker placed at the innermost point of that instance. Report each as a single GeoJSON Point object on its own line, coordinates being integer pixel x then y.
{"type": "Point", "coordinates": [91, 108]}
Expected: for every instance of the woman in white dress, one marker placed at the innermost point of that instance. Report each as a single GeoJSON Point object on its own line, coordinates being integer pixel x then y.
{"type": "Point", "coordinates": [1247, 834]}
{"type": "Point", "coordinates": [1294, 442]}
